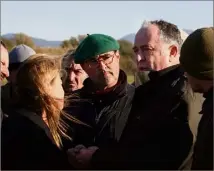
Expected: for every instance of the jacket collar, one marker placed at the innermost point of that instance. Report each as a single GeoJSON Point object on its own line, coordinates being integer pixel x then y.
{"type": "Point", "coordinates": [175, 70]}
{"type": "Point", "coordinates": [208, 94]}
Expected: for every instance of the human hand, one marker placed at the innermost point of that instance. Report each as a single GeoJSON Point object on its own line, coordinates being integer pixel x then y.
{"type": "Point", "coordinates": [80, 156]}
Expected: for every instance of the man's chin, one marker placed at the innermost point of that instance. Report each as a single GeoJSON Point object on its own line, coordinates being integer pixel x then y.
{"type": "Point", "coordinates": [73, 87]}
{"type": "Point", "coordinates": [3, 81]}
{"type": "Point", "coordinates": [142, 69]}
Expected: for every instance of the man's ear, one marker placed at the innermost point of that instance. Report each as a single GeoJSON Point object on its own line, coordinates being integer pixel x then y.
{"type": "Point", "coordinates": [173, 52]}
{"type": "Point", "coordinates": [117, 54]}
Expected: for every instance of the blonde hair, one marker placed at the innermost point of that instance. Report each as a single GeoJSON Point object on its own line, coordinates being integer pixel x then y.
{"type": "Point", "coordinates": [32, 93]}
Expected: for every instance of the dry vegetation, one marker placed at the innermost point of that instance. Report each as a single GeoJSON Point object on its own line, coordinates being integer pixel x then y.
{"type": "Point", "coordinates": [127, 55]}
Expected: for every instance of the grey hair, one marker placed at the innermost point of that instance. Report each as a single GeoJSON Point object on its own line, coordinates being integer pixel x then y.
{"type": "Point", "coordinates": [184, 35]}
{"type": "Point", "coordinates": [67, 58]}
{"type": "Point", "coordinates": [169, 32]}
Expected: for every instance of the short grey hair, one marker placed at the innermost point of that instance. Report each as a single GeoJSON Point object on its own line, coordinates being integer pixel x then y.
{"type": "Point", "coordinates": [169, 32]}
{"type": "Point", "coordinates": [68, 58]}
{"type": "Point", "coordinates": [184, 35]}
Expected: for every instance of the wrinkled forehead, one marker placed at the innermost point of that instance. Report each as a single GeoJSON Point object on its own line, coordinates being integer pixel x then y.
{"type": "Point", "coordinates": [74, 66]}
{"type": "Point", "coordinates": [147, 36]}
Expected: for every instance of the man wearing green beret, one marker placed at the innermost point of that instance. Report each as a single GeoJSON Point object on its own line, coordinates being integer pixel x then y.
{"type": "Point", "coordinates": [157, 135]}
{"type": "Point", "coordinates": [105, 100]}
{"type": "Point", "coordinates": [196, 58]}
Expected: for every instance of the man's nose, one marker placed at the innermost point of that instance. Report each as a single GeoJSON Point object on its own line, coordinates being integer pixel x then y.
{"type": "Point", "coordinates": [72, 75]}
{"type": "Point", "coordinates": [102, 65]}
{"type": "Point", "coordinates": [140, 56]}
{"type": "Point", "coordinates": [6, 72]}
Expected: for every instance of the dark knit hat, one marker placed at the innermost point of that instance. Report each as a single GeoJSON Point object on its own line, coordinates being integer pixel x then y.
{"type": "Point", "coordinates": [197, 54]}
{"type": "Point", "coordinates": [93, 45]}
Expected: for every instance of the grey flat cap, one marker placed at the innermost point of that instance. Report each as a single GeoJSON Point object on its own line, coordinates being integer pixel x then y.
{"type": "Point", "coordinates": [20, 53]}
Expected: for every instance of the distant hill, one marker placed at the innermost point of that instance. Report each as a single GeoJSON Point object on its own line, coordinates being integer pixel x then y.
{"type": "Point", "coordinates": [37, 41]}
{"type": "Point", "coordinates": [130, 37]}
{"type": "Point", "coordinates": [48, 43]}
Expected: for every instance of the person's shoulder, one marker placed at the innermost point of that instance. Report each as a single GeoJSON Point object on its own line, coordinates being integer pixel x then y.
{"type": "Point", "coordinates": [23, 119]}
{"type": "Point", "coordinates": [15, 129]}
{"type": "Point", "coordinates": [15, 122]}
{"type": "Point", "coordinates": [189, 95]}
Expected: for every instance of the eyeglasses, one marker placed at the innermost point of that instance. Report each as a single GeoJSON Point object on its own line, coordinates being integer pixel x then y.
{"type": "Point", "coordinates": [106, 59]}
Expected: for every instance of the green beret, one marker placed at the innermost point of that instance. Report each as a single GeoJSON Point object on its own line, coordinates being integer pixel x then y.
{"type": "Point", "coordinates": [197, 54]}
{"type": "Point", "coordinates": [93, 45]}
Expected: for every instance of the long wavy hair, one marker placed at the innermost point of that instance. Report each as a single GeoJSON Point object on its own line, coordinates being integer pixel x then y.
{"type": "Point", "coordinates": [31, 92]}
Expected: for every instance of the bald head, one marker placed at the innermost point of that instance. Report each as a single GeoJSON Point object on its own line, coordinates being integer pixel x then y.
{"type": "Point", "coordinates": [4, 63]}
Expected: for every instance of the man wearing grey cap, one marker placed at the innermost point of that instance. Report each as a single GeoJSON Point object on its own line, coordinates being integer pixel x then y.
{"type": "Point", "coordinates": [16, 57]}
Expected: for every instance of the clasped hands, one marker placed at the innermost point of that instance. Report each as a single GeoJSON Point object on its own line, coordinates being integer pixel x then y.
{"type": "Point", "coordinates": [80, 156]}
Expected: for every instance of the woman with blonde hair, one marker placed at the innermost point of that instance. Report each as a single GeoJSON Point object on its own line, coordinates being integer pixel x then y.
{"type": "Point", "coordinates": [31, 135]}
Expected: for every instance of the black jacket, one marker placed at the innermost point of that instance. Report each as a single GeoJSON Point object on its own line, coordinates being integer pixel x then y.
{"type": "Point", "coordinates": [157, 135]}
{"type": "Point", "coordinates": [27, 144]}
{"type": "Point", "coordinates": [8, 97]}
{"type": "Point", "coordinates": [203, 152]}
{"type": "Point", "coordinates": [105, 113]}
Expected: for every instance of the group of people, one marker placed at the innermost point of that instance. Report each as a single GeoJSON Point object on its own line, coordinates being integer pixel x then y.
{"type": "Point", "coordinates": [78, 111]}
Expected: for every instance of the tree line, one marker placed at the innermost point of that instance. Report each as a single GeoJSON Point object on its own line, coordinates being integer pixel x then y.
{"type": "Point", "coordinates": [127, 55]}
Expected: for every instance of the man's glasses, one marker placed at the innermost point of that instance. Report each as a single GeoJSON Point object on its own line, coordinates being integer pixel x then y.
{"type": "Point", "coordinates": [105, 59]}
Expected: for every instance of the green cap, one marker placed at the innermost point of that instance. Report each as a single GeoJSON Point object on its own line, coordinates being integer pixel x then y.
{"type": "Point", "coordinates": [93, 45]}
{"type": "Point", "coordinates": [197, 54]}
